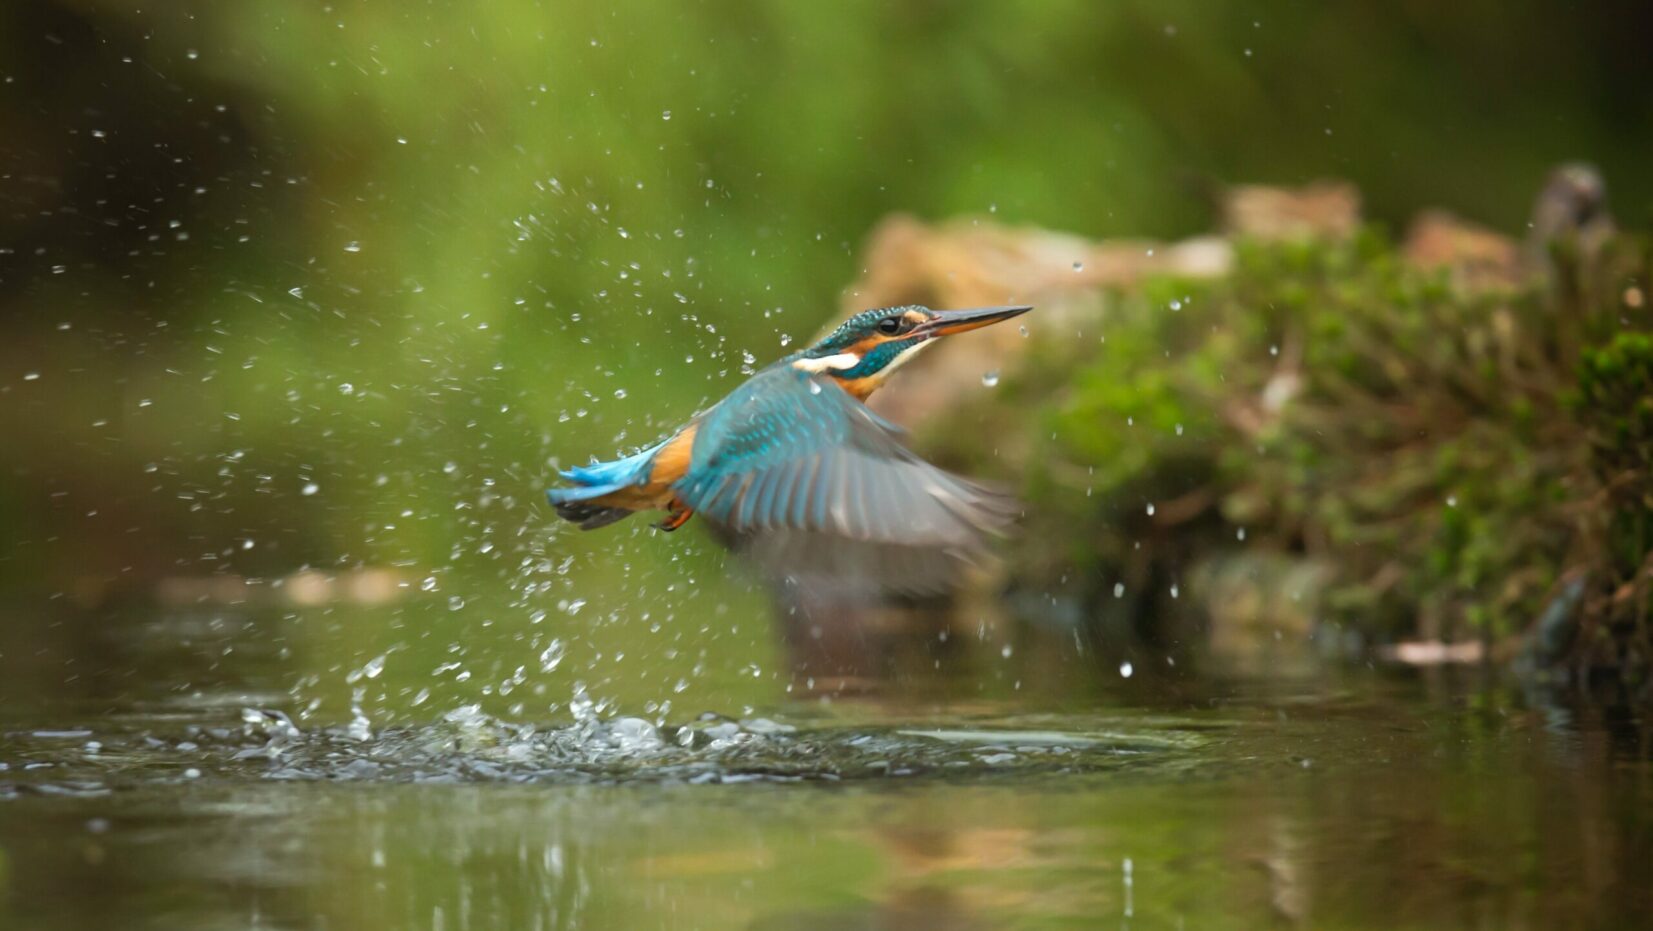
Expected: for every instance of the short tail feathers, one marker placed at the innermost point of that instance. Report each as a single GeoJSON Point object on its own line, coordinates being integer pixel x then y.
{"type": "Point", "coordinates": [578, 504]}
{"type": "Point", "coordinates": [632, 470]}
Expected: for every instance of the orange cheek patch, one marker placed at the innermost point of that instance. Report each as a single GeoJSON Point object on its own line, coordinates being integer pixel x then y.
{"type": "Point", "coordinates": [867, 343]}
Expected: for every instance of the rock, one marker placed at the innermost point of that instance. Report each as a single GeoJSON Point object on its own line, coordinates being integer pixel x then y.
{"type": "Point", "coordinates": [1477, 258]}
{"type": "Point", "coordinates": [1318, 210]}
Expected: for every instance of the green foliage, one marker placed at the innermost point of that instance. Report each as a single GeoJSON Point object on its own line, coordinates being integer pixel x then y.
{"type": "Point", "coordinates": [1615, 404]}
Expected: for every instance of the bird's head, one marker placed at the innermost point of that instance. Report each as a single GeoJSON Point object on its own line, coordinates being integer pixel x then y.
{"type": "Point", "coordinates": [867, 347]}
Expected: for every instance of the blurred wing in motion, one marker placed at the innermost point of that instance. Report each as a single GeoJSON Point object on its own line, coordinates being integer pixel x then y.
{"type": "Point", "coordinates": [819, 491]}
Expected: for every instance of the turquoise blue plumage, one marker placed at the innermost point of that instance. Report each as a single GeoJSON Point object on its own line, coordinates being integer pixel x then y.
{"type": "Point", "coordinates": [793, 469]}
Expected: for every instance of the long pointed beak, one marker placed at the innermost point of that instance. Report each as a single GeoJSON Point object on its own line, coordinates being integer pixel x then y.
{"type": "Point", "coordinates": [948, 322]}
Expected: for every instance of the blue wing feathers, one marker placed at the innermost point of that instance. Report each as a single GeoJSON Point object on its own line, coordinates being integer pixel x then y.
{"type": "Point", "coordinates": [788, 452]}
{"type": "Point", "coordinates": [820, 495]}
{"type": "Point", "coordinates": [801, 494]}
{"type": "Point", "coordinates": [763, 492]}
{"type": "Point", "coordinates": [749, 501]}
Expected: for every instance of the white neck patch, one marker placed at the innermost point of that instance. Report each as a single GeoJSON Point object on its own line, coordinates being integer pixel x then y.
{"type": "Point", "coordinates": [843, 361]}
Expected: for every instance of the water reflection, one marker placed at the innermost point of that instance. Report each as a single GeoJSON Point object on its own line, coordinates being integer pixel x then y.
{"type": "Point", "coordinates": [957, 785]}
{"type": "Point", "coordinates": [1358, 820]}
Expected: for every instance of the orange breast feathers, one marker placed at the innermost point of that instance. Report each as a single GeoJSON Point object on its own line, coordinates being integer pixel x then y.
{"type": "Point", "coordinates": [670, 464]}
{"type": "Point", "coordinates": [860, 388]}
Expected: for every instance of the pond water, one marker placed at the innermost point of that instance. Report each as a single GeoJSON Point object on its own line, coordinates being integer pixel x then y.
{"type": "Point", "coordinates": [167, 773]}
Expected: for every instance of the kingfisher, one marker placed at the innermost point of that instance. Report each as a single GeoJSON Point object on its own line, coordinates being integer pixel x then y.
{"type": "Point", "coordinates": [795, 469]}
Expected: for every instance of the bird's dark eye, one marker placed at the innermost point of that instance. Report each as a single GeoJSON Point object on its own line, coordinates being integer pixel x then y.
{"type": "Point", "coordinates": [890, 325]}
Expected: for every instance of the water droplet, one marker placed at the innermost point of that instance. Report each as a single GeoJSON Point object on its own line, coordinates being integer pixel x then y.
{"type": "Point", "coordinates": [1150, 509]}
{"type": "Point", "coordinates": [665, 114]}
{"type": "Point", "coordinates": [31, 376]}
{"type": "Point", "coordinates": [1079, 266]}
{"type": "Point", "coordinates": [309, 489]}
{"type": "Point", "coordinates": [1451, 501]}
{"type": "Point", "coordinates": [990, 379]}
{"type": "Point", "coordinates": [352, 246]}
{"type": "Point", "coordinates": [192, 54]}
{"type": "Point", "coordinates": [814, 387]}
{"type": "Point", "coordinates": [1239, 534]}
{"type": "Point", "coordinates": [1175, 591]}
{"type": "Point", "coordinates": [551, 656]}
{"type": "Point", "coordinates": [1119, 589]}
{"type": "Point", "coordinates": [1024, 331]}
{"type": "Point", "coordinates": [347, 389]}
{"type": "Point", "coordinates": [370, 670]}
{"type": "Point", "coordinates": [1125, 669]}
{"type": "Point", "coordinates": [1006, 651]}
{"type": "Point", "coordinates": [620, 392]}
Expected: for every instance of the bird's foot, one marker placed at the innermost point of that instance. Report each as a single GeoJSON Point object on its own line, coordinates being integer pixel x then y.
{"type": "Point", "coordinates": [674, 520]}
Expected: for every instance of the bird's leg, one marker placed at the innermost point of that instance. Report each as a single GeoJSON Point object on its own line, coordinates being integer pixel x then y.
{"type": "Point", "coordinates": [675, 518]}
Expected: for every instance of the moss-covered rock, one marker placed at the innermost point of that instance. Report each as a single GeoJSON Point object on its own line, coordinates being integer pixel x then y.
{"type": "Point", "coordinates": [1452, 453]}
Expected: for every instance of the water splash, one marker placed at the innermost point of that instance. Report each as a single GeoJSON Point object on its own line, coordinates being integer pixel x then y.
{"type": "Point", "coordinates": [470, 745]}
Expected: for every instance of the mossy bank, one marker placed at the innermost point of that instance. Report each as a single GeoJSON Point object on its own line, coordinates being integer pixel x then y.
{"type": "Point", "coordinates": [1427, 459]}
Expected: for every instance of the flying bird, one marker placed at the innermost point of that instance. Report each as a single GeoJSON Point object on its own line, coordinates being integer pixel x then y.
{"type": "Point", "coordinates": [798, 473]}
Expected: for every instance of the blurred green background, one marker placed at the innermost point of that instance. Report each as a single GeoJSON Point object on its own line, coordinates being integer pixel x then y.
{"type": "Point", "coordinates": [302, 303]}
{"type": "Point", "coordinates": [336, 286]}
